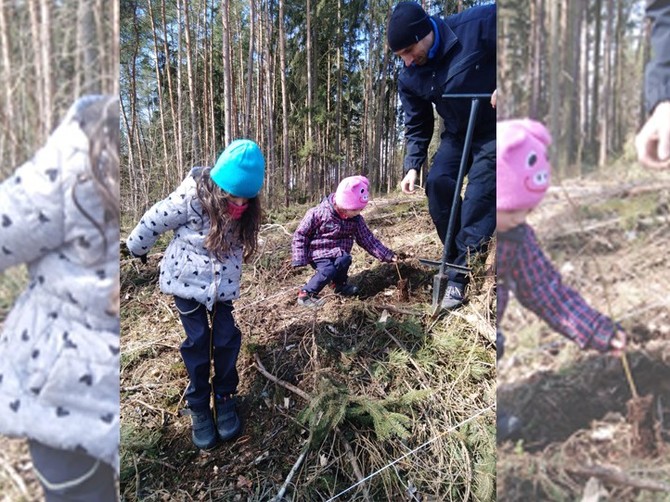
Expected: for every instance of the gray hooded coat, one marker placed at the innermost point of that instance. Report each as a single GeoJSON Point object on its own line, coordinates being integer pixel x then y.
{"type": "Point", "coordinates": [188, 269]}
{"type": "Point", "coordinates": [59, 348]}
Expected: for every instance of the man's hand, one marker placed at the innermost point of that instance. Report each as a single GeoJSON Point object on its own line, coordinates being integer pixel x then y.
{"type": "Point", "coordinates": [494, 98]}
{"type": "Point", "coordinates": [653, 141]}
{"type": "Point", "coordinates": [408, 182]}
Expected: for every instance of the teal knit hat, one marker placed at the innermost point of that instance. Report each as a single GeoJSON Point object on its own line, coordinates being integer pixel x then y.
{"type": "Point", "coordinates": [240, 169]}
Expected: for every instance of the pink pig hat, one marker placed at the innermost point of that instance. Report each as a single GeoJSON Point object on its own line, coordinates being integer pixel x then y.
{"type": "Point", "coordinates": [352, 193]}
{"type": "Point", "coordinates": [523, 172]}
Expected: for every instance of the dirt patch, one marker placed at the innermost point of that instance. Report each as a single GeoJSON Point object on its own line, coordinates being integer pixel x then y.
{"type": "Point", "coordinates": [584, 433]}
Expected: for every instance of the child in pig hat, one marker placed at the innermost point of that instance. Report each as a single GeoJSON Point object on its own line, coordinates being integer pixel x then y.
{"type": "Point", "coordinates": [326, 235]}
{"type": "Point", "coordinates": [523, 176]}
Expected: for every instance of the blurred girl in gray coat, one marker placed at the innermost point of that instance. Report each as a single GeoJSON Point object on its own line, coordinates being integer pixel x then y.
{"type": "Point", "coordinates": [215, 215]}
{"type": "Point", "coordinates": [59, 349]}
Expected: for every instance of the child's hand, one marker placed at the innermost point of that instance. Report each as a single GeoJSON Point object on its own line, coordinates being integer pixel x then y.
{"type": "Point", "coordinates": [618, 343]}
{"type": "Point", "coordinates": [142, 257]}
{"type": "Point", "coordinates": [394, 258]}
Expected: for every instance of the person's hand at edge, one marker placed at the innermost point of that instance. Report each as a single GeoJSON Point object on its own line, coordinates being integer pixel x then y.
{"type": "Point", "coordinates": [652, 143]}
{"type": "Point", "coordinates": [409, 181]}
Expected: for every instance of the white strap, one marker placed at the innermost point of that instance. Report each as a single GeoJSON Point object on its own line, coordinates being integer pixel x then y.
{"type": "Point", "coordinates": [66, 485]}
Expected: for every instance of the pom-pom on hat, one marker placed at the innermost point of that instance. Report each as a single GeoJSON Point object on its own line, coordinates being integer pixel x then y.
{"type": "Point", "coordinates": [523, 172]}
{"type": "Point", "coordinates": [240, 169]}
{"type": "Point", "coordinates": [352, 193]}
{"type": "Point", "coordinates": [408, 24]}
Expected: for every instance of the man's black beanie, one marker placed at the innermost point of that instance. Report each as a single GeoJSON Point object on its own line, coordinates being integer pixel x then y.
{"type": "Point", "coordinates": [409, 23]}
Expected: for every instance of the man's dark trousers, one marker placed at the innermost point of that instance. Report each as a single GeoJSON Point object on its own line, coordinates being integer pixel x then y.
{"type": "Point", "coordinates": [476, 220]}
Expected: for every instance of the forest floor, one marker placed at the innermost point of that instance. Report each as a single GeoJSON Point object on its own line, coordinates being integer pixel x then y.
{"type": "Point", "coordinates": [585, 436]}
{"type": "Point", "coordinates": [328, 396]}
{"type": "Point", "coordinates": [375, 387]}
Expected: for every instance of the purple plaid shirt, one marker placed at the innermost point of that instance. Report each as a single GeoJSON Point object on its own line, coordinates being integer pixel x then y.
{"type": "Point", "coordinates": [323, 234]}
{"type": "Point", "coordinates": [524, 269]}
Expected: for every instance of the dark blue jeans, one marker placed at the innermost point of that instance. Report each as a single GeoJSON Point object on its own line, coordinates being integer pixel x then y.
{"type": "Point", "coordinates": [72, 476]}
{"type": "Point", "coordinates": [476, 220]}
{"type": "Point", "coordinates": [210, 336]}
{"type": "Point", "coordinates": [500, 344]}
{"type": "Point", "coordinates": [327, 271]}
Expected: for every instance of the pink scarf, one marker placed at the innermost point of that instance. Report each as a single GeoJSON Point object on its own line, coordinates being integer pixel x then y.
{"type": "Point", "coordinates": [236, 211]}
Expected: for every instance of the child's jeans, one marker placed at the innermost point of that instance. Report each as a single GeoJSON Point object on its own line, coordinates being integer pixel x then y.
{"type": "Point", "coordinates": [327, 271]}
{"type": "Point", "coordinates": [219, 341]}
{"type": "Point", "coordinates": [71, 476]}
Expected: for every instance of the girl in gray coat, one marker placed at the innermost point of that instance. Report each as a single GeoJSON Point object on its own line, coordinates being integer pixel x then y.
{"type": "Point", "coordinates": [215, 215]}
{"type": "Point", "coordinates": [59, 349]}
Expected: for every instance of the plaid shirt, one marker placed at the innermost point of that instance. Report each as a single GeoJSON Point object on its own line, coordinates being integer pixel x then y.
{"type": "Point", "coordinates": [322, 234]}
{"type": "Point", "coordinates": [524, 269]}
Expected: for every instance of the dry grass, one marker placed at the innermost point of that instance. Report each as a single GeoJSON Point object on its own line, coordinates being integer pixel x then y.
{"type": "Point", "coordinates": [377, 378]}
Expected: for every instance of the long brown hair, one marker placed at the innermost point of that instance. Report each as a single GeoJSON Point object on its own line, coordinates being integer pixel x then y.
{"type": "Point", "coordinates": [215, 203]}
{"type": "Point", "coordinates": [99, 119]}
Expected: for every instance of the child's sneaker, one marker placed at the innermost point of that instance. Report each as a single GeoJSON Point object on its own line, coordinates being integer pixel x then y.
{"type": "Point", "coordinates": [346, 290]}
{"type": "Point", "coordinates": [203, 431]}
{"type": "Point", "coordinates": [307, 299]}
{"type": "Point", "coordinates": [228, 424]}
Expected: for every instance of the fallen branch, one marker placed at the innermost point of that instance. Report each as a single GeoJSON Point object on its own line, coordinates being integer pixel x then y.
{"type": "Point", "coordinates": [278, 381]}
{"type": "Point", "coordinates": [282, 490]}
{"type": "Point", "coordinates": [347, 446]}
{"type": "Point", "coordinates": [615, 476]}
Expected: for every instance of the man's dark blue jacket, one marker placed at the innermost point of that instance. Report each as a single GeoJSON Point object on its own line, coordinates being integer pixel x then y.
{"type": "Point", "coordinates": [465, 62]}
{"type": "Point", "coordinates": [657, 85]}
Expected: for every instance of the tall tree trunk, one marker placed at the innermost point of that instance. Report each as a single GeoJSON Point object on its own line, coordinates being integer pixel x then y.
{"type": "Point", "coordinates": [595, 101]}
{"type": "Point", "coordinates": [584, 89]}
{"type": "Point", "coordinates": [195, 138]}
{"type": "Point", "coordinates": [284, 105]}
{"type": "Point", "coordinates": [46, 46]}
{"type": "Point", "coordinates": [269, 104]}
{"type": "Point", "coordinates": [33, 7]}
{"type": "Point", "coordinates": [310, 101]}
{"type": "Point", "coordinates": [114, 57]}
{"type": "Point", "coordinates": [86, 32]}
{"type": "Point", "coordinates": [250, 66]}
{"type": "Point", "coordinates": [339, 95]}
{"type": "Point", "coordinates": [159, 84]}
{"type": "Point", "coordinates": [227, 73]}
{"type": "Point", "coordinates": [607, 74]}
{"type": "Point", "coordinates": [554, 74]}
{"type": "Point", "coordinates": [9, 88]}
{"type": "Point", "coordinates": [176, 117]}
{"type": "Point", "coordinates": [537, 38]}
{"type": "Point", "coordinates": [572, 81]}
{"type": "Point", "coordinates": [180, 120]}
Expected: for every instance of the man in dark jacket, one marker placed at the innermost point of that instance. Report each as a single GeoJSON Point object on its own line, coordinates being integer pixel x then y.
{"type": "Point", "coordinates": [454, 55]}
{"type": "Point", "coordinates": [653, 141]}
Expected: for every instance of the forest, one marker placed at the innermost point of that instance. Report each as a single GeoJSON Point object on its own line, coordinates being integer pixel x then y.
{"type": "Point", "coordinates": [313, 83]}
{"type": "Point", "coordinates": [577, 66]}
